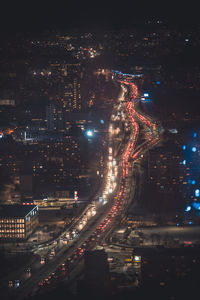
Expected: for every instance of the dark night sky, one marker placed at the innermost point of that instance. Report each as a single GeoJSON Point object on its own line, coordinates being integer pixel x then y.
{"type": "Point", "coordinates": [33, 16]}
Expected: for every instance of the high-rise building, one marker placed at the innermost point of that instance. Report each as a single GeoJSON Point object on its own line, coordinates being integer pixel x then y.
{"type": "Point", "coordinates": [26, 187]}
{"type": "Point", "coordinates": [71, 96]}
{"type": "Point", "coordinates": [190, 171]}
{"type": "Point", "coordinates": [67, 78]}
{"type": "Point", "coordinates": [76, 95]}
{"type": "Point", "coordinates": [164, 180]}
{"type": "Point", "coordinates": [54, 118]}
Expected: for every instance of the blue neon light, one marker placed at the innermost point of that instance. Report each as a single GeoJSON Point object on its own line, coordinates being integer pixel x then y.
{"type": "Point", "coordinates": [191, 181]}
{"type": "Point", "coordinates": [196, 192]}
{"type": "Point", "coordinates": [184, 147]}
{"type": "Point", "coordinates": [194, 149]}
{"type": "Point", "coordinates": [188, 208]}
{"type": "Point", "coordinates": [196, 205]}
{"type": "Point", "coordinates": [157, 82]}
{"type": "Point", "coordinates": [195, 134]}
{"type": "Point", "coordinates": [146, 95]}
{"type": "Point", "coordinates": [184, 162]}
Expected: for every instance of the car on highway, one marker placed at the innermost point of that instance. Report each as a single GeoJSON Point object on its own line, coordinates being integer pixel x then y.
{"type": "Point", "coordinates": [65, 241]}
{"type": "Point", "coordinates": [10, 283]}
{"type": "Point", "coordinates": [42, 260]}
{"type": "Point", "coordinates": [16, 283]}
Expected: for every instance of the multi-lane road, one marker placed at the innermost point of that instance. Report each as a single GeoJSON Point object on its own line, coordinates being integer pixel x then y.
{"type": "Point", "coordinates": [115, 197]}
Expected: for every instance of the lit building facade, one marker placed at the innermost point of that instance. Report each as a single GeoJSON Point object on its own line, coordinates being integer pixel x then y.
{"type": "Point", "coordinates": [54, 117]}
{"type": "Point", "coordinates": [71, 95]}
{"type": "Point", "coordinates": [190, 171]}
{"type": "Point", "coordinates": [17, 222]}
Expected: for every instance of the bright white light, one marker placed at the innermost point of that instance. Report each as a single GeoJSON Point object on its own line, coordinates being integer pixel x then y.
{"type": "Point", "coordinates": [146, 94]}
{"type": "Point", "coordinates": [188, 208]}
{"type": "Point", "coordinates": [173, 130]}
{"type": "Point", "coordinates": [137, 258]}
{"type": "Point", "coordinates": [89, 133]}
{"type": "Point", "coordinates": [110, 162]}
{"type": "Point", "coordinates": [197, 193]}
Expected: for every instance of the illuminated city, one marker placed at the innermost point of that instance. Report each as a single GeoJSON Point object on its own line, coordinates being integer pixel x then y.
{"type": "Point", "coordinates": [99, 152]}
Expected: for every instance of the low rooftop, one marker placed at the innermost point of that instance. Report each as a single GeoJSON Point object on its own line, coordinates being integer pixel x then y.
{"type": "Point", "coordinates": [15, 211]}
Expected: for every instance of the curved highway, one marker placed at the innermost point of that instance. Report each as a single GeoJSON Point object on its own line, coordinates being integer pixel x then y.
{"type": "Point", "coordinates": [113, 202]}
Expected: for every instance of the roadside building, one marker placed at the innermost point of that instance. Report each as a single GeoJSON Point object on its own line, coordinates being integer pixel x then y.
{"type": "Point", "coordinates": [96, 273]}
{"type": "Point", "coordinates": [17, 222]}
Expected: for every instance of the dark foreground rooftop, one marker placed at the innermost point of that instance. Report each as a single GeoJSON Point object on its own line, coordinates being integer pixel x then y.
{"type": "Point", "coordinates": [15, 211]}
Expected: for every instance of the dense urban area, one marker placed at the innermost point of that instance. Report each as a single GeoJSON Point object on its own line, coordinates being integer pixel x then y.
{"type": "Point", "coordinates": [99, 163]}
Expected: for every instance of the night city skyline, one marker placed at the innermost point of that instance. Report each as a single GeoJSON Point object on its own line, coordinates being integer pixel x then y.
{"type": "Point", "coordinates": [99, 151]}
